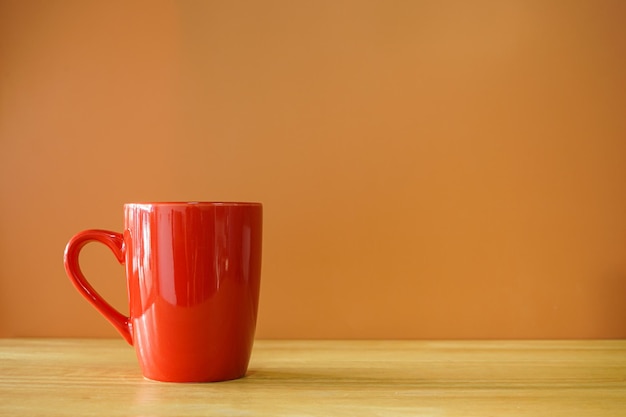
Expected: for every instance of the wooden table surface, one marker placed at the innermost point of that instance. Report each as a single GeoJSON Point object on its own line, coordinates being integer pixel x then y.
{"type": "Point", "coordinates": [325, 378]}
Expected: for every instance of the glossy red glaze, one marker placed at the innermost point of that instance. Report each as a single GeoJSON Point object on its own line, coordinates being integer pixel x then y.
{"type": "Point", "coordinates": [193, 272]}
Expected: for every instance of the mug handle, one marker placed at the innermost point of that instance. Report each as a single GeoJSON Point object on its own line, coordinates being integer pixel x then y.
{"type": "Point", "coordinates": [115, 242]}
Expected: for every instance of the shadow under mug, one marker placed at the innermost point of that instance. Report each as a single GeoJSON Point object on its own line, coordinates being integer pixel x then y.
{"type": "Point", "coordinates": [193, 273]}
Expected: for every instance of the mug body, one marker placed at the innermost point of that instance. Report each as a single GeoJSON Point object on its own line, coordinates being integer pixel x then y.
{"type": "Point", "coordinates": [193, 274]}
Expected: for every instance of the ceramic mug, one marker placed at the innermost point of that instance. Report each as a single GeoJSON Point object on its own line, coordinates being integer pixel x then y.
{"type": "Point", "coordinates": [193, 272]}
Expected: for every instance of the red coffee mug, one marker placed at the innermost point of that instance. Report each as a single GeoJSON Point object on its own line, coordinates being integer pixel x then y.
{"type": "Point", "coordinates": [193, 273]}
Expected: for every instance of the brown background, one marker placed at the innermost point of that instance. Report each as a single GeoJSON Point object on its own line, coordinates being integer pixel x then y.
{"type": "Point", "coordinates": [429, 169]}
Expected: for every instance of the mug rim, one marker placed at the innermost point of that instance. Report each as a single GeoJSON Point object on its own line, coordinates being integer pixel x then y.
{"type": "Point", "coordinates": [195, 203]}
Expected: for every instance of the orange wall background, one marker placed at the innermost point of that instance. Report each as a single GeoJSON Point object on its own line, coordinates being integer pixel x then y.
{"type": "Point", "coordinates": [429, 169]}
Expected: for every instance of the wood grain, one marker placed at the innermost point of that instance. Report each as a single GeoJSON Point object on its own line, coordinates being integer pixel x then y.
{"type": "Point", "coordinates": [40, 377]}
